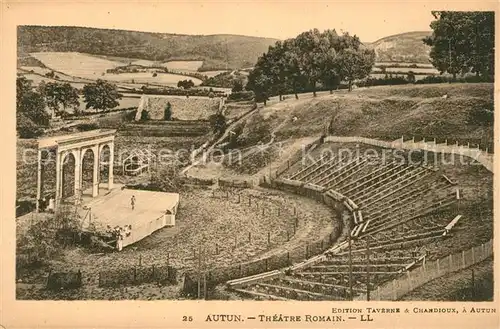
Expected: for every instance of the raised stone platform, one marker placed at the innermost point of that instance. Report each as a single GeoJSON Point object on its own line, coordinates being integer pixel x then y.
{"type": "Point", "coordinates": [152, 211]}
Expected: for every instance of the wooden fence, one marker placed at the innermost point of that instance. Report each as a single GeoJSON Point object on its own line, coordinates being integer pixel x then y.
{"type": "Point", "coordinates": [397, 288]}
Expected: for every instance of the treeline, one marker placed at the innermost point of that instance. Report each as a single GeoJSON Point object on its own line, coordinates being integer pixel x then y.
{"type": "Point", "coordinates": [311, 59]}
{"type": "Point", "coordinates": [225, 80]}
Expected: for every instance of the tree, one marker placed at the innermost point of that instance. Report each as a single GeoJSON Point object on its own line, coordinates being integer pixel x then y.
{"type": "Point", "coordinates": [218, 123]}
{"type": "Point", "coordinates": [260, 84]}
{"type": "Point", "coordinates": [355, 64]}
{"type": "Point", "coordinates": [59, 95]}
{"type": "Point", "coordinates": [462, 42]}
{"type": "Point", "coordinates": [411, 77]}
{"type": "Point", "coordinates": [31, 115]}
{"type": "Point", "coordinates": [167, 115]}
{"type": "Point", "coordinates": [186, 84]}
{"type": "Point", "coordinates": [101, 95]}
{"type": "Point", "coordinates": [237, 86]}
{"type": "Point", "coordinates": [311, 51]}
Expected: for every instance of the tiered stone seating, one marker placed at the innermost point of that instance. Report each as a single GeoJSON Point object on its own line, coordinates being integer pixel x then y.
{"type": "Point", "coordinates": [399, 204]}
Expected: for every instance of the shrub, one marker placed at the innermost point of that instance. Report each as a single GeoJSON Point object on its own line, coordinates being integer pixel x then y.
{"type": "Point", "coordinates": [241, 96]}
{"type": "Point", "coordinates": [480, 115]}
{"type": "Point", "coordinates": [87, 126]}
{"type": "Point", "coordinates": [26, 128]}
{"type": "Point", "coordinates": [145, 115]}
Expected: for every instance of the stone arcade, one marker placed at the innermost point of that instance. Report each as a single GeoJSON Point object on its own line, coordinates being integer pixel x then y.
{"type": "Point", "coordinates": [76, 145]}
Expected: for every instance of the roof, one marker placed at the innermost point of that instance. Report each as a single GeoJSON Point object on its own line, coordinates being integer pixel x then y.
{"type": "Point", "coordinates": [54, 141]}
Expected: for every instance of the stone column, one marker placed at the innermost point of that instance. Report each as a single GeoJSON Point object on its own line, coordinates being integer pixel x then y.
{"type": "Point", "coordinates": [39, 186]}
{"type": "Point", "coordinates": [78, 174]}
{"type": "Point", "coordinates": [111, 164]}
{"type": "Point", "coordinates": [95, 176]}
{"type": "Point", "coordinates": [58, 177]}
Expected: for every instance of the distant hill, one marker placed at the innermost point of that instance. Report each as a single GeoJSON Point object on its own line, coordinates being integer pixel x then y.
{"type": "Point", "coordinates": [405, 47]}
{"type": "Point", "coordinates": [219, 51]}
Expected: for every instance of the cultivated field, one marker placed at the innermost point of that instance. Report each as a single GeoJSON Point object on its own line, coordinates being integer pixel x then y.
{"type": "Point", "coordinates": [164, 79]}
{"type": "Point", "coordinates": [76, 64]}
{"type": "Point", "coordinates": [183, 66]}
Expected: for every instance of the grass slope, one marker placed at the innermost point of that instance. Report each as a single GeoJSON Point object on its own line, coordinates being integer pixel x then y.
{"type": "Point", "coordinates": [388, 113]}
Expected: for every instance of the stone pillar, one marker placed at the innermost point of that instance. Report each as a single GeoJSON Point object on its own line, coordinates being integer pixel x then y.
{"type": "Point", "coordinates": [39, 186]}
{"type": "Point", "coordinates": [111, 164]}
{"type": "Point", "coordinates": [95, 176]}
{"type": "Point", "coordinates": [78, 174]}
{"type": "Point", "coordinates": [58, 177]}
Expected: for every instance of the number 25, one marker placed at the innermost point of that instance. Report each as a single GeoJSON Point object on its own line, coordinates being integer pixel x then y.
{"type": "Point", "coordinates": [187, 318]}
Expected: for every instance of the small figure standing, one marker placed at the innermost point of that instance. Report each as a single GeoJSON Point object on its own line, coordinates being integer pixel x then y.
{"type": "Point", "coordinates": [132, 201]}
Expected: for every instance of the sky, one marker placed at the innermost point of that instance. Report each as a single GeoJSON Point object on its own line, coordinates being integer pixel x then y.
{"type": "Point", "coordinates": [369, 20]}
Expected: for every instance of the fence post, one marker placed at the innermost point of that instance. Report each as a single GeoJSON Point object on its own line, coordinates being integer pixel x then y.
{"type": "Point", "coordinates": [450, 257]}
{"type": "Point", "coordinates": [463, 258]}
{"type": "Point", "coordinates": [437, 265]}
{"type": "Point", "coordinates": [100, 283]}
{"type": "Point", "coordinates": [287, 236]}
{"type": "Point", "coordinates": [268, 238]}
{"type": "Point", "coordinates": [394, 291]}
{"type": "Point", "coordinates": [288, 257]}
{"type": "Point", "coordinates": [408, 276]}
{"type": "Point", "coordinates": [473, 256]}
{"type": "Point", "coordinates": [135, 274]}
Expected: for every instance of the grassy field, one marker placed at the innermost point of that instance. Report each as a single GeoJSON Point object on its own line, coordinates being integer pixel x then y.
{"type": "Point", "coordinates": [76, 64]}
{"type": "Point", "coordinates": [183, 66]}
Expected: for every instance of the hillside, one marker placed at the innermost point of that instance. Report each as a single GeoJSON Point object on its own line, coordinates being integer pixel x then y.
{"type": "Point", "coordinates": [217, 51]}
{"type": "Point", "coordinates": [405, 47]}
{"type": "Point", "coordinates": [389, 112]}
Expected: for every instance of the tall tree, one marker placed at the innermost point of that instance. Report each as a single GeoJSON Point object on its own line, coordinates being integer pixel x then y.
{"type": "Point", "coordinates": [462, 42]}
{"type": "Point", "coordinates": [260, 84]}
{"type": "Point", "coordinates": [101, 95]}
{"type": "Point", "coordinates": [30, 109]}
{"type": "Point", "coordinates": [60, 95]}
{"type": "Point", "coordinates": [355, 64]}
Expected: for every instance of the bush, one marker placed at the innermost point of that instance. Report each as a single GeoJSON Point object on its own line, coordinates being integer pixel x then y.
{"type": "Point", "coordinates": [145, 115]}
{"type": "Point", "coordinates": [481, 116]}
{"type": "Point", "coordinates": [241, 96]}
{"type": "Point", "coordinates": [26, 128]}
{"type": "Point", "coordinates": [87, 126]}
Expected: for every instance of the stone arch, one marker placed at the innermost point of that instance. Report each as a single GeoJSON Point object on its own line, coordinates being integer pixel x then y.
{"type": "Point", "coordinates": [87, 170]}
{"type": "Point", "coordinates": [104, 165]}
{"type": "Point", "coordinates": [68, 163]}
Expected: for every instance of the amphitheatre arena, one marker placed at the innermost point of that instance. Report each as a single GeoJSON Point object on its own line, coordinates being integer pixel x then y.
{"type": "Point", "coordinates": [315, 203]}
